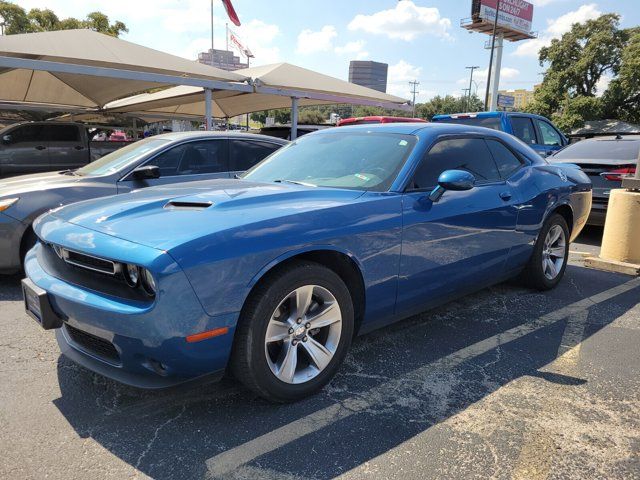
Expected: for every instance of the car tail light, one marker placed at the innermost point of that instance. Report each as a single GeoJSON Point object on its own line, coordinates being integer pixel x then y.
{"type": "Point", "coordinates": [618, 174]}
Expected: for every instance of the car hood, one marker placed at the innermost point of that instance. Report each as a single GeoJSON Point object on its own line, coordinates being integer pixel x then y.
{"type": "Point", "coordinates": [14, 186]}
{"type": "Point", "coordinates": [167, 216]}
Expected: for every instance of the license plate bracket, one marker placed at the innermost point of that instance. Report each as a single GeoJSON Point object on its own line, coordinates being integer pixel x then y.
{"type": "Point", "coordinates": [38, 307]}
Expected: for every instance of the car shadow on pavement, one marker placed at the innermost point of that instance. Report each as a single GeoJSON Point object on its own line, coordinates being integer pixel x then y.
{"type": "Point", "coordinates": [396, 384]}
{"type": "Point", "coordinates": [10, 289]}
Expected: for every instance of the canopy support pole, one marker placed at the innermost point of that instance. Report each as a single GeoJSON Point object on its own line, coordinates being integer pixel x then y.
{"type": "Point", "coordinates": [207, 110]}
{"type": "Point", "coordinates": [294, 118]}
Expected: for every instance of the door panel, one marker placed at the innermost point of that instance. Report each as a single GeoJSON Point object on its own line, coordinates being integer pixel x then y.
{"type": "Point", "coordinates": [27, 152]}
{"type": "Point", "coordinates": [67, 147]}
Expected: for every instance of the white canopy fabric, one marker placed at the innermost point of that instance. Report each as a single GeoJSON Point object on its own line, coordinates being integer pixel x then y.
{"type": "Point", "coordinates": [274, 85]}
{"type": "Point", "coordinates": [83, 68]}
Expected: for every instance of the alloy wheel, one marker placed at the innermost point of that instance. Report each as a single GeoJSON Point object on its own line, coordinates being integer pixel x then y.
{"type": "Point", "coordinates": [303, 334]}
{"type": "Point", "coordinates": [553, 252]}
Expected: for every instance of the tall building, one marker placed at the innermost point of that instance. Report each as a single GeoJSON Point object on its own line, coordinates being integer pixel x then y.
{"type": "Point", "coordinates": [224, 59]}
{"type": "Point", "coordinates": [369, 74]}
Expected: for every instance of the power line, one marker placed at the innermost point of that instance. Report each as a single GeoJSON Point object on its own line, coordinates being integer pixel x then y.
{"type": "Point", "coordinates": [414, 84]}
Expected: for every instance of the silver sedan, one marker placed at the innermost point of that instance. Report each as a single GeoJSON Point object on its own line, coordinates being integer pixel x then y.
{"type": "Point", "coordinates": [164, 159]}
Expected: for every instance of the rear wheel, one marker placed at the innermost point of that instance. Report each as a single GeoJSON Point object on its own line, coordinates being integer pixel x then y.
{"type": "Point", "coordinates": [549, 260]}
{"type": "Point", "coordinates": [294, 332]}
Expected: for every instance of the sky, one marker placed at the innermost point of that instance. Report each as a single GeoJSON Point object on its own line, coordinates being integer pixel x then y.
{"type": "Point", "coordinates": [419, 39]}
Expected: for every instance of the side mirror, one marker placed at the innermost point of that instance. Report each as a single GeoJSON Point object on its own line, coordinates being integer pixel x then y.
{"type": "Point", "coordinates": [456, 180]}
{"type": "Point", "coordinates": [7, 139]}
{"type": "Point", "coordinates": [146, 172]}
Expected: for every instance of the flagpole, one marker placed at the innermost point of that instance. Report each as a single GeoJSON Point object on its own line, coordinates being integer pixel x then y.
{"type": "Point", "coordinates": [212, 33]}
{"type": "Point", "coordinates": [227, 34]}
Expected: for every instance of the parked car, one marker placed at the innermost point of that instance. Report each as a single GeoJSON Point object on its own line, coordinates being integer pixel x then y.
{"type": "Point", "coordinates": [271, 275]}
{"type": "Point", "coordinates": [284, 131]}
{"type": "Point", "coordinates": [606, 160]}
{"type": "Point", "coordinates": [47, 146]}
{"type": "Point", "coordinates": [536, 131]}
{"type": "Point", "coordinates": [163, 159]}
{"type": "Point", "coordinates": [377, 119]}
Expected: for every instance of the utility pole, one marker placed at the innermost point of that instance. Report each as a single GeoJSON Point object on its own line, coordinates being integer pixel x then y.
{"type": "Point", "coordinates": [414, 84]}
{"type": "Point", "coordinates": [493, 46]}
{"type": "Point", "coordinates": [470, 82]}
{"type": "Point", "coordinates": [465, 95]}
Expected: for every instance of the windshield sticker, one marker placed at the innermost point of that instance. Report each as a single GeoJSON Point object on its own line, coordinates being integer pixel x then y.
{"type": "Point", "coordinates": [362, 177]}
{"type": "Point", "coordinates": [403, 143]}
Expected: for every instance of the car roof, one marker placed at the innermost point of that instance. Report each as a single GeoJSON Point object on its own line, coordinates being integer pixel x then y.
{"type": "Point", "coordinates": [412, 128]}
{"type": "Point", "coordinates": [488, 115]}
{"type": "Point", "coordinates": [172, 136]}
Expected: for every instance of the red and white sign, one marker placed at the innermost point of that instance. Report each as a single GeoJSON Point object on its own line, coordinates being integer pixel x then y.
{"type": "Point", "coordinates": [514, 14]}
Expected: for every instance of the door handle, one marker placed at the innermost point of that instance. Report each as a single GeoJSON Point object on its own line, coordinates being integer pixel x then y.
{"type": "Point", "coordinates": [79, 147]}
{"type": "Point", "coordinates": [505, 196]}
{"type": "Point", "coordinates": [40, 147]}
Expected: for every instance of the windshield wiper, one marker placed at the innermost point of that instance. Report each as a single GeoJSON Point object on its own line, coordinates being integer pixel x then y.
{"type": "Point", "coordinates": [68, 172]}
{"type": "Point", "coordinates": [295, 182]}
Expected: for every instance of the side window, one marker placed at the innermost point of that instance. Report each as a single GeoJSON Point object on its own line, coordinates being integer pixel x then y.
{"type": "Point", "coordinates": [507, 162]}
{"type": "Point", "coordinates": [61, 133]}
{"type": "Point", "coordinates": [27, 133]}
{"type": "Point", "coordinates": [192, 158]}
{"type": "Point", "coordinates": [550, 136]}
{"type": "Point", "coordinates": [244, 154]}
{"type": "Point", "coordinates": [523, 129]}
{"type": "Point", "coordinates": [470, 154]}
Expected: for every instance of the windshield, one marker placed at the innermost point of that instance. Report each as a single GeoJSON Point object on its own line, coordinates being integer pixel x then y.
{"type": "Point", "coordinates": [601, 150]}
{"type": "Point", "coordinates": [487, 122]}
{"type": "Point", "coordinates": [114, 161]}
{"type": "Point", "coordinates": [358, 161]}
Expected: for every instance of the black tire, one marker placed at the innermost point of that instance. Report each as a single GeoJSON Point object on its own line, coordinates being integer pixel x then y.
{"type": "Point", "coordinates": [248, 361]}
{"type": "Point", "coordinates": [533, 275]}
{"type": "Point", "coordinates": [29, 240]}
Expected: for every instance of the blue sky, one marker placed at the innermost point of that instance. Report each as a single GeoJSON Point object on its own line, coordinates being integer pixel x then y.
{"type": "Point", "coordinates": [419, 39]}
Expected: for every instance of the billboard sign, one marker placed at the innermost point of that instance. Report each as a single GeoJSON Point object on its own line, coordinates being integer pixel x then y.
{"type": "Point", "coordinates": [506, 100]}
{"type": "Point", "coordinates": [514, 14]}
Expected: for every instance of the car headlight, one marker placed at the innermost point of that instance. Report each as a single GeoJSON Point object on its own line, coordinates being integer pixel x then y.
{"type": "Point", "coordinates": [7, 202]}
{"type": "Point", "coordinates": [148, 282]}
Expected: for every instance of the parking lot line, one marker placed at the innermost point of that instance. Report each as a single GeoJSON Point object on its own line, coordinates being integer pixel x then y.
{"type": "Point", "coordinates": [228, 461]}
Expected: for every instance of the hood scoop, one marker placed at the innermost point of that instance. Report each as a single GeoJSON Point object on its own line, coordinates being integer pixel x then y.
{"type": "Point", "coordinates": [186, 205]}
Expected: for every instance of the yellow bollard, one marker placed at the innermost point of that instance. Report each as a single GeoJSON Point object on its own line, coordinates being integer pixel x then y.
{"type": "Point", "coordinates": [621, 236]}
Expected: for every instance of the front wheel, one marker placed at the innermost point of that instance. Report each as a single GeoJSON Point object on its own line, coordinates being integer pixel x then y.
{"type": "Point", "coordinates": [549, 260]}
{"type": "Point", "coordinates": [294, 332]}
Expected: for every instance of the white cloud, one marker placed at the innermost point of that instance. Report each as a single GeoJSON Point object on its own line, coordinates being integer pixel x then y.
{"type": "Point", "coordinates": [399, 76]}
{"type": "Point", "coordinates": [406, 21]}
{"type": "Point", "coordinates": [556, 28]}
{"type": "Point", "coordinates": [353, 49]}
{"type": "Point", "coordinates": [259, 37]}
{"type": "Point", "coordinates": [480, 76]}
{"type": "Point", "coordinates": [320, 41]}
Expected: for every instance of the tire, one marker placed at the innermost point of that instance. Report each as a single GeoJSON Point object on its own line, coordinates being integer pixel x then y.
{"type": "Point", "coordinates": [263, 364]}
{"type": "Point", "coordinates": [538, 273]}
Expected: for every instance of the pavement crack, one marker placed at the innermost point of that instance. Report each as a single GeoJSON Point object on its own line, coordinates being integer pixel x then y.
{"type": "Point", "coordinates": [155, 436]}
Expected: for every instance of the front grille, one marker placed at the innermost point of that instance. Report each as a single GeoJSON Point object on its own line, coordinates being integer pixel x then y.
{"type": "Point", "coordinates": [89, 262]}
{"type": "Point", "coordinates": [92, 344]}
{"type": "Point", "coordinates": [600, 200]}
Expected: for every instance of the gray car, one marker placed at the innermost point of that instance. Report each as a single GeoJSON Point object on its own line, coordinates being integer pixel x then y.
{"type": "Point", "coordinates": [607, 160]}
{"type": "Point", "coordinates": [164, 159]}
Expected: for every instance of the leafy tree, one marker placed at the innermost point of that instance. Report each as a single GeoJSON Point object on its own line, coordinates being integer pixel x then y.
{"type": "Point", "coordinates": [17, 20]}
{"type": "Point", "coordinates": [448, 104]}
{"type": "Point", "coordinates": [576, 64]}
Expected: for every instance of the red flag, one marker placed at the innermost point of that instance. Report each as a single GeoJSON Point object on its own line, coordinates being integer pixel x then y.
{"type": "Point", "coordinates": [233, 16]}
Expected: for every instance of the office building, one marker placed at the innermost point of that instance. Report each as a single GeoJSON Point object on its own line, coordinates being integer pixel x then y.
{"type": "Point", "coordinates": [369, 74]}
{"type": "Point", "coordinates": [224, 59]}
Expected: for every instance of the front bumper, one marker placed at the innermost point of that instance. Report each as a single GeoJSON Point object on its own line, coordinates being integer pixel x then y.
{"type": "Point", "coordinates": [11, 232]}
{"type": "Point", "coordinates": [142, 344]}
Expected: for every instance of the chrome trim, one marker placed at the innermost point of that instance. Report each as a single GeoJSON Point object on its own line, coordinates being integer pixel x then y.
{"type": "Point", "coordinates": [64, 252]}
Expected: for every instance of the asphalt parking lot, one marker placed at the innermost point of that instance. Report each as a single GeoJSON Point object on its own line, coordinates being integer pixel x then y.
{"type": "Point", "coordinates": [506, 383]}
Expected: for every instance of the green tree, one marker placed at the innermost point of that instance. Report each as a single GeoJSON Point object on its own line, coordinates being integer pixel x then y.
{"type": "Point", "coordinates": [622, 98]}
{"type": "Point", "coordinates": [17, 20]}
{"type": "Point", "coordinates": [448, 104]}
{"type": "Point", "coordinates": [576, 63]}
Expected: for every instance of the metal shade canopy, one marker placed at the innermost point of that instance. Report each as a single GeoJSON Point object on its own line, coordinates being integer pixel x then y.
{"type": "Point", "coordinates": [86, 69]}
{"type": "Point", "coordinates": [279, 85]}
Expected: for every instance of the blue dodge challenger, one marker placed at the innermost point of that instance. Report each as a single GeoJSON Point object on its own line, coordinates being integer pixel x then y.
{"type": "Point", "coordinates": [271, 275]}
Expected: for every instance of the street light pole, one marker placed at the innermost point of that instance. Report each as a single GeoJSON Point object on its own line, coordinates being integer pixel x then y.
{"type": "Point", "coordinates": [470, 81]}
{"type": "Point", "coordinates": [493, 46]}
{"type": "Point", "coordinates": [212, 64]}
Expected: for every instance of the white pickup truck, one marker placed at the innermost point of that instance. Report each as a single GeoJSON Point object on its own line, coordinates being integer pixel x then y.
{"type": "Point", "coordinates": [47, 146]}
